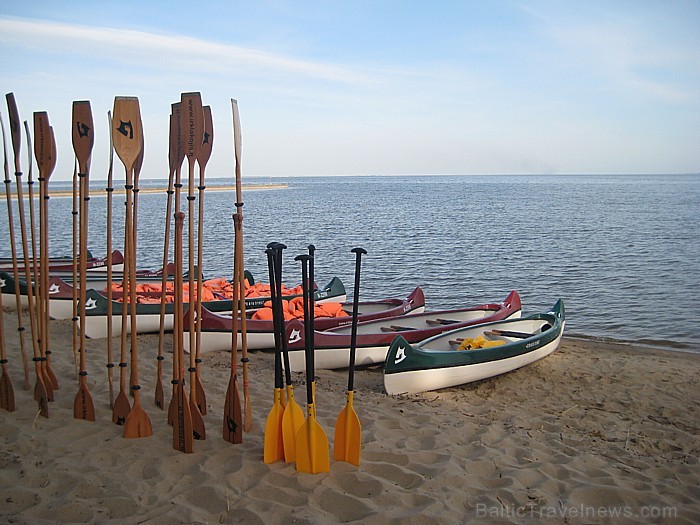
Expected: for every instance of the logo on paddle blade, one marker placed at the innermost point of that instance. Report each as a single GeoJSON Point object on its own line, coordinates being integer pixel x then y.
{"type": "Point", "coordinates": [83, 129]}
{"type": "Point", "coordinates": [400, 355]}
{"type": "Point", "coordinates": [295, 336]}
{"type": "Point", "coordinates": [54, 289]}
{"type": "Point", "coordinates": [90, 304]}
{"type": "Point", "coordinates": [231, 424]}
{"type": "Point", "coordinates": [126, 129]}
{"type": "Point", "coordinates": [2, 283]}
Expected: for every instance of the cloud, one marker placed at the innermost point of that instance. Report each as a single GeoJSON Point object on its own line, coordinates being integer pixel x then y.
{"type": "Point", "coordinates": [164, 51]}
{"type": "Point", "coordinates": [637, 54]}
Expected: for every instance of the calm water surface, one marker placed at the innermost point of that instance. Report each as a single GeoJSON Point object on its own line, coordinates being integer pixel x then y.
{"type": "Point", "coordinates": [622, 251]}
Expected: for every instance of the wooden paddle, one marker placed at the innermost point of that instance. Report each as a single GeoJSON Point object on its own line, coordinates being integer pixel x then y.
{"type": "Point", "coordinates": [76, 235]}
{"type": "Point", "coordinates": [110, 191]}
{"type": "Point", "coordinates": [132, 267]}
{"type": "Point", "coordinates": [202, 159]}
{"type": "Point", "coordinates": [126, 140]}
{"type": "Point", "coordinates": [42, 152]}
{"type": "Point", "coordinates": [83, 141]}
{"type": "Point", "coordinates": [127, 134]}
{"type": "Point", "coordinates": [46, 343]}
{"type": "Point", "coordinates": [13, 249]}
{"type": "Point", "coordinates": [233, 419]}
{"type": "Point", "coordinates": [15, 129]}
{"type": "Point", "coordinates": [273, 449]}
{"type": "Point", "coordinates": [172, 152]}
{"type": "Point", "coordinates": [33, 235]}
{"type": "Point", "coordinates": [348, 431]}
{"type": "Point", "coordinates": [312, 444]}
{"type": "Point", "coordinates": [179, 152]}
{"type": "Point", "coordinates": [182, 422]}
{"type": "Point", "coordinates": [7, 391]}
{"type": "Point", "coordinates": [238, 228]}
{"type": "Point", "coordinates": [15, 268]}
{"type": "Point", "coordinates": [293, 417]}
{"type": "Point", "coordinates": [192, 122]}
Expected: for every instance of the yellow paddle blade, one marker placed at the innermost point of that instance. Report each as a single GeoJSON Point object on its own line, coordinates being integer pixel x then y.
{"type": "Point", "coordinates": [274, 448]}
{"type": "Point", "coordinates": [348, 434]}
{"type": "Point", "coordinates": [292, 421]}
{"type": "Point", "coordinates": [312, 446]}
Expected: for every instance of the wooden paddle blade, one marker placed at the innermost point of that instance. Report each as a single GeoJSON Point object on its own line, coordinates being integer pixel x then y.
{"type": "Point", "coordinates": [48, 387]}
{"type": "Point", "coordinates": [137, 423]}
{"type": "Point", "coordinates": [83, 406]}
{"type": "Point", "coordinates": [348, 434]}
{"type": "Point", "coordinates": [127, 133]}
{"type": "Point", "coordinates": [7, 392]}
{"type": "Point", "coordinates": [237, 141]}
{"type": "Point", "coordinates": [52, 153]}
{"type": "Point", "coordinates": [208, 142]}
{"type": "Point", "coordinates": [15, 128]}
{"type": "Point", "coordinates": [172, 409]}
{"type": "Point", "coordinates": [233, 420]}
{"type": "Point", "coordinates": [312, 447]}
{"type": "Point", "coordinates": [292, 421]}
{"type": "Point", "coordinates": [273, 447]}
{"type": "Point", "coordinates": [41, 396]}
{"type": "Point", "coordinates": [122, 408]}
{"type": "Point", "coordinates": [201, 396]}
{"type": "Point", "coordinates": [51, 376]}
{"type": "Point", "coordinates": [83, 135]}
{"type": "Point", "coordinates": [42, 141]}
{"type": "Point", "coordinates": [198, 429]}
{"type": "Point", "coordinates": [192, 124]}
{"type": "Point", "coordinates": [159, 397]}
{"type": "Point", "coordinates": [183, 438]}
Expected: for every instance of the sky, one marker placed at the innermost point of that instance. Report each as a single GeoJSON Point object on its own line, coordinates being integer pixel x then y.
{"type": "Point", "coordinates": [373, 87]}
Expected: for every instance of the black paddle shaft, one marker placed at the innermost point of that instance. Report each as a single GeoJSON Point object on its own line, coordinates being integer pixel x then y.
{"type": "Point", "coordinates": [308, 348]}
{"type": "Point", "coordinates": [270, 252]}
{"type": "Point", "coordinates": [312, 291]}
{"type": "Point", "coordinates": [279, 247]}
{"type": "Point", "coordinates": [359, 252]}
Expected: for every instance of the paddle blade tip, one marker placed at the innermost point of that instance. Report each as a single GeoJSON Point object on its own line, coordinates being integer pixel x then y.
{"type": "Point", "coordinates": [312, 449]}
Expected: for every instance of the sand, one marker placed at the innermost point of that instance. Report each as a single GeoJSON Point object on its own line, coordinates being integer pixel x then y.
{"type": "Point", "coordinates": [594, 433]}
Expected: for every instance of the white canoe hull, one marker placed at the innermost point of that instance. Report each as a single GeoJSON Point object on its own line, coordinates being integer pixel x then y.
{"type": "Point", "coordinates": [213, 341]}
{"type": "Point", "coordinates": [414, 381]}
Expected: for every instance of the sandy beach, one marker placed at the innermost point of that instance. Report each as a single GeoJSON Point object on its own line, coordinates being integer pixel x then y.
{"type": "Point", "coordinates": [594, 433]}
{"type": "Point", "coordinates": [120, 190]}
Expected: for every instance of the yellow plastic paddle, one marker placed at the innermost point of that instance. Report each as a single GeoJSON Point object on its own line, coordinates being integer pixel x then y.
{"type": "Point", "coordinates": [273, 449]}
{"type": "Point", "coordinates": [293, 417]}
{"type": "Point", "coordinates": [348, 431]}
{"type": "Point", "coordinates": [312, 454]}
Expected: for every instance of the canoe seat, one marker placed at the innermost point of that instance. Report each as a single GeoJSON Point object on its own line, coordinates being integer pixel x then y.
{"type": "Point", "coordinates": [438, 322]}
{"type": "Point", "coordinates": [396, 328]}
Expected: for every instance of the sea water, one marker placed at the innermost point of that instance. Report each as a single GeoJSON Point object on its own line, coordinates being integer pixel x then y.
{"type": "Point", "coordinates": [622, 251]}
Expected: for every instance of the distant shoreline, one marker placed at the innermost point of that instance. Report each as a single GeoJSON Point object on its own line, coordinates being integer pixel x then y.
{"type": "Point", "coordinates": [120, 191]}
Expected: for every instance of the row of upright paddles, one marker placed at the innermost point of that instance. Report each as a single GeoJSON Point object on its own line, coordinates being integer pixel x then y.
{"type": "Point", "coordinates": [288, 436]}
{"type": "Point", "coordinates": [191, 137]}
